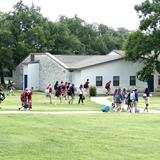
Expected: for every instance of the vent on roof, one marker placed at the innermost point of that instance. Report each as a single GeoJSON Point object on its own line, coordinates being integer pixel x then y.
{"type": "Point", "coordinates": [32, 58]}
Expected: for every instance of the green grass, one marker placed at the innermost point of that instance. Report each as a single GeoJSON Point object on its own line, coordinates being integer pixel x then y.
{"type": "Point", "coordinates": [40, 103]}
{"type": "Point", "coordinates": [102, 136]}
{"type": "Point", "coordinates": [113, 136]}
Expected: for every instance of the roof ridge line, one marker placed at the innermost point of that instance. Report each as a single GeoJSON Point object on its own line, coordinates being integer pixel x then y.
{"type": "Point", "coordinates": [57, 60]}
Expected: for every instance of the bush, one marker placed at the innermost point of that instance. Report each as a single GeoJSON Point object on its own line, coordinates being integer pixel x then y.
{"type": "Point", "coordinates": [92, 91]}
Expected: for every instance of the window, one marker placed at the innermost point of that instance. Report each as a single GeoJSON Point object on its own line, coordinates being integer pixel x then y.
{"type": "Point", "coordinates": [132, 80]}
{"type": "Point", "coordinates": [158, 80]}
{"type": "Point", "coordinates": [115, 80]}
{"type": "Point", "coordinates": [99, 80]}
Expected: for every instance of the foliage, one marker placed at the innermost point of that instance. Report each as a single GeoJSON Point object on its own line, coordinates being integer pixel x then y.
{"type": "Point", "coordinates": [27, 31]}
{"type": "Point", "coordinates": [92, 91]}
{"type": "Point", "coordinates": [143, 45]}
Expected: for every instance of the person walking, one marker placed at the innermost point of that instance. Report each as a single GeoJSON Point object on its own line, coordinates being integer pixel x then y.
{"type": "Point", "coordinates": [135, 100]}
{"type": "Point", "coordinates": [108, 88]}
{"type": "Point", "coordinates": [86, 87]}
{"type": "Point", "coordinates": [81, 94]}
{"type": "Point", "coordinates": [71, 93]}
{"type": "Point", "coordinates": [146, 99]}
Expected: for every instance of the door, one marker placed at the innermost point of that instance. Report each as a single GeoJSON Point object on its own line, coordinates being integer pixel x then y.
{"type": "Point", "coordinates": [151, 84]}
{"type": "Point", "coordinates": [25, 81]}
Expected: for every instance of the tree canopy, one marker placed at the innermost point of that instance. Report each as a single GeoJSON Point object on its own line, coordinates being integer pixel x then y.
{"type": "Point", "coordinates": [25, 30]}
{"type": "Point", "coordinates": [144, 44]}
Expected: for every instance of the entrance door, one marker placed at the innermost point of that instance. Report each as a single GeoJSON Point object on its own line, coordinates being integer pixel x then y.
{"type": "Point", "coordinates": [25, 81]}
{"type": "Point", "coordinates": [151, 84]}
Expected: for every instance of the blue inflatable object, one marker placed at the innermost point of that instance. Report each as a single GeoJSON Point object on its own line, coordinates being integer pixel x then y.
{"type": "Point", "coordinates": [25, 105]}
{"type": "Point", "coordinates": [105, 108]}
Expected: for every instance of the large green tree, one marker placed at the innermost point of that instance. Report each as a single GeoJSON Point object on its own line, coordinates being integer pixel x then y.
{"type": "Point", "coordinates": [144, 44]}
{"type": "Point", "coordinates": [31, 31]}
{"type": "Point", "coordinates": [6, 40]}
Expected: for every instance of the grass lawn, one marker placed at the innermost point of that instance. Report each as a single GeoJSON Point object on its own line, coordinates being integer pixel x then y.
{"type": "Point", "coordinates": [40, 103]}
{"type": "Point", "coordinates": [102, 136]}
{"type": "Point", "coordinates": [113, 136]}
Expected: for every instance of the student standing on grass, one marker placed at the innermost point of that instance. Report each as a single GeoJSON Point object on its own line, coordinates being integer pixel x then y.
{"type": "Point", "coordinates": [146, 99]}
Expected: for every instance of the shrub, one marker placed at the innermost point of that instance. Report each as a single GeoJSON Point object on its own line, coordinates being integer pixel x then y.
{"type": "Point", "coordinates": [92, 91]}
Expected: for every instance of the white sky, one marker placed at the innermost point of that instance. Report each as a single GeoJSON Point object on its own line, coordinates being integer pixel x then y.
{"type": "Point", "coordinates": [113, 13]}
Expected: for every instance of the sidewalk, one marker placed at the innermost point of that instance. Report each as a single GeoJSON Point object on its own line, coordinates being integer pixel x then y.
{"type": "Point", "coordinates": [50, 113]}
{"type": "Point", "coordinates": [105, 101]}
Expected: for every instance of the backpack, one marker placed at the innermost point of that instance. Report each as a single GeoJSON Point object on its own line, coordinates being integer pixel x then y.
{"type": "Point", "coordinates": [105, 108]}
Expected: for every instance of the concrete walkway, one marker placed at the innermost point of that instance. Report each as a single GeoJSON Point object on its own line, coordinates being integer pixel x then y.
{"type": "Point", "coordinates": [105, 101]}
{"type": "Point", "coordinates": [50, 113]}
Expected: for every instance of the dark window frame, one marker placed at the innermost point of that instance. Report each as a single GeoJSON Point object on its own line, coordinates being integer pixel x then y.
{"type": "Point", "coordinates": [99, 83]}
{"type": "Point", "coordinates": [132, 80]}
{"type": "Point", "coordinates": [116, 80]}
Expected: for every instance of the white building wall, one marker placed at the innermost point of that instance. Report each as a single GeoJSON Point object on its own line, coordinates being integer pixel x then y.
{"type": "Point", "coordinates": [156, 86]}
{"type": "Point", "coordinates": [25, 70]}
{"type": "Point", "coordinates": [33, 76]}
{"type": "Point", "coordinates": [76, 78]}
{"type": "Point", "coordinates": [119, 68]}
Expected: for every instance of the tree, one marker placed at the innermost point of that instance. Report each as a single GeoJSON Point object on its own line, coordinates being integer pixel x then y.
{"type": "Point", "coordinates": [6, 39]}
{"type": "Point", "coordinates": [143, 45]}
{"type": "Point", "coordinates": [31, 31]}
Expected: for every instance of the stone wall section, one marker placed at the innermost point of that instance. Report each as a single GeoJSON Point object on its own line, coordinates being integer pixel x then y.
{"type": "Point", "coordinates": [50, 72]}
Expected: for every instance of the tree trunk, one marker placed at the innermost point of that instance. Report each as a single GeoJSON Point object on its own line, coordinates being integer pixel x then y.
{"type": "Point", "coordinates": [2, 75]}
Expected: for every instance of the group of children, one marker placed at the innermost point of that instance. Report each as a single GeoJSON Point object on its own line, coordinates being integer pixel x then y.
{"type": "Point", "coordinates": [130, 99]}
{"type": "Point", "coordinates": [67, 91]}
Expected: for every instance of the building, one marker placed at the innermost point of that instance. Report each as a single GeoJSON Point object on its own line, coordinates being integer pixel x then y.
{"type": "Point", "coordinates": [38, 70]}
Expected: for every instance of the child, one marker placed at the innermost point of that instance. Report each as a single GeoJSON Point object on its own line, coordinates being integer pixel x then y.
{"type": "Point", "coordinates": [24, 99]}
{"type": "Point", "coordinates": [146, 99]}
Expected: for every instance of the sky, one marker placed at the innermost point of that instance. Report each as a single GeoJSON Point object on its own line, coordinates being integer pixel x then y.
{"type": "Point", "coordinates": [113, 13]}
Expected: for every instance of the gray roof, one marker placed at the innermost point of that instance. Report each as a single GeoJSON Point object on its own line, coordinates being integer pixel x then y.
{"type": "Point", "coordinates": [82, 61]}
